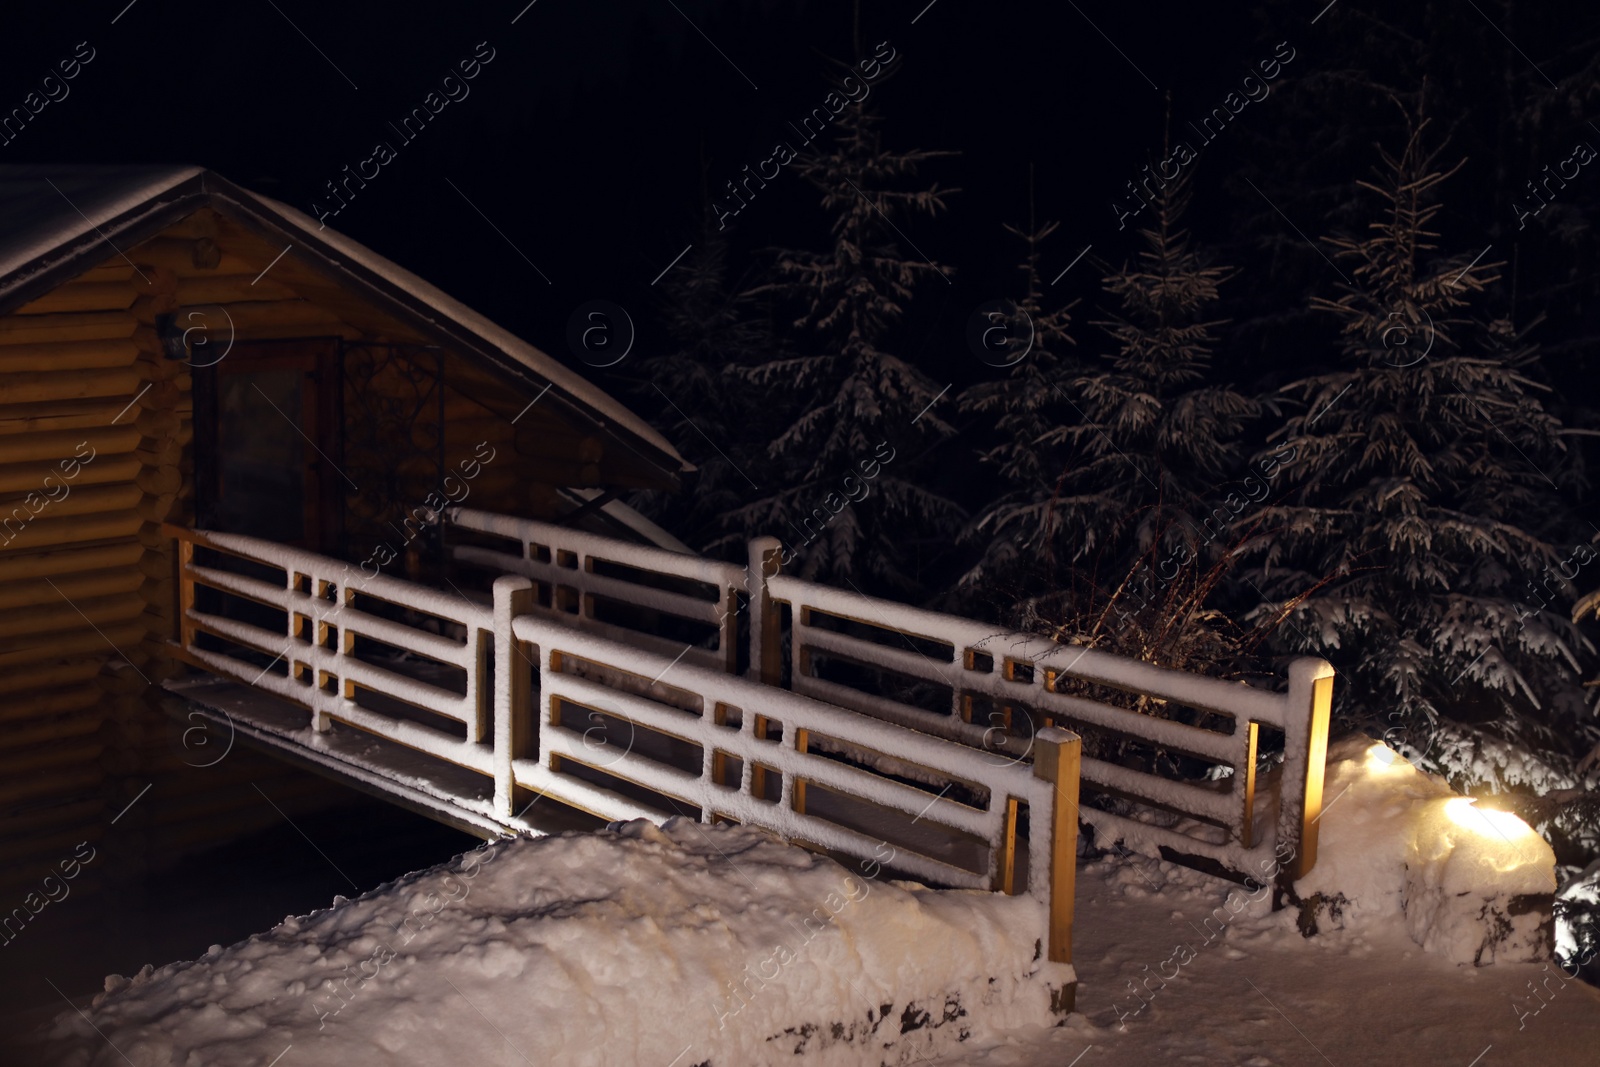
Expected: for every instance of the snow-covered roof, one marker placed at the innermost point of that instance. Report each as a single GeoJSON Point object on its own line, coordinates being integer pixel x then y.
{"type": "Point", "coordinates": [55, 222]}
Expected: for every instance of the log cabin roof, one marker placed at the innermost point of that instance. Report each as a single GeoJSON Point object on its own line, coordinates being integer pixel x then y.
{"type": "Point", "coordinates": [58, 221]}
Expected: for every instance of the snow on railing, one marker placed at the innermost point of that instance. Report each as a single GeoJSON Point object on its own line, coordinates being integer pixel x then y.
{"type": "Point", "coordinates": [584, 579]}
{"type": "Point", "coordinates": [996, 677]}
{"type": "Point", "coordinates": [1003, 687]}
{"type": "Point", "coordinates": [700, 741]}
{"type": "Point", "coordinates": [305, 613]}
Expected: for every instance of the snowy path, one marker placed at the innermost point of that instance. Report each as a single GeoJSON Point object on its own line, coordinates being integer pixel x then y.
{"type": "Point", "coordinates": [1260, 995]}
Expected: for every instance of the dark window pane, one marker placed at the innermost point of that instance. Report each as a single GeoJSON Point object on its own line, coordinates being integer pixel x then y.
{"type": "Point", "coordinates": [262, 464]}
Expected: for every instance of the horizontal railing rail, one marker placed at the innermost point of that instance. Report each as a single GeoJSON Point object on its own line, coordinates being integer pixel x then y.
{"type": "Point", "coordinates": [699, 740]}
{"type": "Point", "coordinates": [568, 568]}
{"type": "Point", "coordinates": [1003, 686]}
{"type": "Point", "coordinates": [327, 607]}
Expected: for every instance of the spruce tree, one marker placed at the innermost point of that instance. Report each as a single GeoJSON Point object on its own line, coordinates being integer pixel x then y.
{"type": "Point", "coordinates": [696, 397]}
{"type": "Point", "coordinates": [847, 496]}
{"type": "Point", "coordinates": [1155, 435]}
{"type": "Point", "coordinates": [1414, 549]}
{"type": "Point", "coordinates": [1014, 532]}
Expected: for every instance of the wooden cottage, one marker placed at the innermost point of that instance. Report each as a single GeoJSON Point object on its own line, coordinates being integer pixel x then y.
{"type": "Point", "coordinates": [176, 349]}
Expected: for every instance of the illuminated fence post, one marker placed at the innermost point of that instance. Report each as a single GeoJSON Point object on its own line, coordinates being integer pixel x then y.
{"type": "Point", "coordinates": [766, 660]}
{"type": "Point", "coordinates": [1305, 748]}
{"type": "Point", "coordinates": [1057, 760]}
{"type": "Point", "coordinates": [513, 699]}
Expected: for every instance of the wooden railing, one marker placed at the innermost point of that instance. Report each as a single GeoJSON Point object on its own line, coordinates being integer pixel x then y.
{"type": "Point", "coordinates": [974, 684]}
{"type": "Point", "coordinates": [547, 708]}
{"type": "Point", "coordinates": [599, 585]}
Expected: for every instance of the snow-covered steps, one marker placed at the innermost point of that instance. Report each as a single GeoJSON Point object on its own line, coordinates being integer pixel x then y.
{"type": "Point", "coordinates": [664, 947]}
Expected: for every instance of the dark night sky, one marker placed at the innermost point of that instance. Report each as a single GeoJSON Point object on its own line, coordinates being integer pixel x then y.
{"type": "Point", "coordinates": [583, 141]}
{"type": "Point", "coordinates": [592, 137]}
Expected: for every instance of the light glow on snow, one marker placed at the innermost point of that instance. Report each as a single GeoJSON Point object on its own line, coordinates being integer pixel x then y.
{"type": "Point", "coordinates": [1464, 811]}
{"type": "Point", "coordinates": [1381, 755]}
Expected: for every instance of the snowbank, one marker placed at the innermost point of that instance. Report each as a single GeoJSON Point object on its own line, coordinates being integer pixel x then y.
{"type": "Point", "coordinates": [667, 947]}
{"type": "Point", "coordinates": [1474, 885]}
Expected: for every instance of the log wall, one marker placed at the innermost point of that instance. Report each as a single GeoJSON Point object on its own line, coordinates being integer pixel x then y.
{"type": "Point", "coordinates": [95, 434]}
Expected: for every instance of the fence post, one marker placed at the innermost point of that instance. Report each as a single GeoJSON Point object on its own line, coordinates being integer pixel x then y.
{"type": "Point", "coordinates": [1305, 762]}
{"type": "Point", "coordinates": [513, 700]}
{"type": "Point", "coordinates": [766, 658]}
{"type": "Point", "coordinates": [1057, 759]}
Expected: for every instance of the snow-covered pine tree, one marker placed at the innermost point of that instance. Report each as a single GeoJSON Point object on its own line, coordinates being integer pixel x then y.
{"type": "Point", "coordinates": [696, 397]}
{"type": "Point", "coordinates": [848, 500]}
{"type": "Point", "coordinates": [1013, 531]}
{"type": "Point", "coordinates": [1154, 435]}
{"type": "Point", "coordinates": [1413, 547]}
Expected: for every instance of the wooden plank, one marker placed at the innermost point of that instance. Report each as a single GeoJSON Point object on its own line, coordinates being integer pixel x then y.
{"type": "Point", "coordinates": [74, 587]}
{"type": "Point", "coordinates": [69, 561]}
{"type": "Point", "coordinates": [802, 741]}
{"type": "Point", "coordinates": [184, 255]}
{"type": "Point", "coordinates": [88, 500]}
{"type": "Point", "coordinates": [82, 296]}
{"type": "Point", "coordinates": [1316, 757]}
{"type": "Point", "coordinates": [1247, 774]}
{"type": "Point", "coordinates": [108, 641]}
{"type": "Point", "coordinates": [77, 784]}
{"type": "Point", "coordinates": [1005, 873]}
{"type": "Point", "coordinates": [69, 355]}
{"type": "Point", "coordinates": [113, 269]}
{"type": "Point", "coordinates": [21, 734]}
{"type": "Point", "coordinates": [45, 531]}
{"type": "Point", "coordinates": [63, 444]}
{"type": "Point", "coordinates": [22, 707]}
{"type": "Point", "coordinates": [33, 387]}
{"type": "Point", "coordinates": [1059, 762]}
{"type": "Point", "coordinates": [230, 289]}
{"type": "Point", "coordinates": [55, 329]}
{"type": "Point", "coordinates": [30, 477]}
{"type": "Point", "coordinates": [64, 415]}
{"type": "Point", "coordinates": [49, 676]}
{"type": "Point", "coordinates": [64, 615]}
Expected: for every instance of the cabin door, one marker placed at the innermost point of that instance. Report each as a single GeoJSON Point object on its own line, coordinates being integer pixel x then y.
{"type": "Point", "coordinates": [275, 446]}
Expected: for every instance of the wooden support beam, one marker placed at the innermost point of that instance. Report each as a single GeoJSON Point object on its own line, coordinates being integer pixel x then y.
{"type": "Point", "coordinates": [802, 741]}
{"type": "Point", "coordinates": [1005, 873]}
{"type": "Point", "coordinates": [56, 329]}
{"type": "Point", "coordinates": [1058, 760]}
{"type": "Point", "coordinates": [1246, 775]}
{"type": "Point", "coordinates": [81, 296]}
{"type": "Point", "coordinates": [30, 477]}
{"type": "Point", "coordinates": [49, 532]}
{"type": "Point", "coordinates": [63, 444]}
{"type": "Point", "coordinates": [16, 567]}
{"type": "Point", "coordinates": [69, 355]}
{"type": "Point", "coordinates": [62, 415]}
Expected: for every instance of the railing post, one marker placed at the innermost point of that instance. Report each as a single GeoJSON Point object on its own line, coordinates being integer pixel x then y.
{"type": "Point", "coordinates": [1057, 759]}
{"type": "Point", "coordinates": [766, 658]}
{"type": "Point", "coordinates": [513, 698]}
{"type": "Point", "coordinates": [1305, 760]}
{"type": "Point", "coordinates": [185, 592]}
{"type": "Point", "coordinates": [1246, 776]}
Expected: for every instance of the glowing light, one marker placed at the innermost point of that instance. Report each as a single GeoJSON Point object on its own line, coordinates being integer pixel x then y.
{"type": "Point", "coordinates": [1383, 755]}
{"type": "Point", "coordinates": [1464, 812]}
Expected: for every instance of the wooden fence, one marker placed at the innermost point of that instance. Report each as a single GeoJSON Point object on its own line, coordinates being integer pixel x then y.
{"type": "Point", "coordinates": [967, 682]}
{"type": "Point", "coordinates": [517, 691]}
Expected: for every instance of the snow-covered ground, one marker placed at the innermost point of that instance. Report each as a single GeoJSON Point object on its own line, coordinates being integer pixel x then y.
{"type": "Point", "coordinates": [1261, 995]}
{"type": "Point", "coordinates": [660, 947]}
{"type": "Point", "coordinates": [1174, 965]}
{"type": "Point", "coordinates": [717, 945]}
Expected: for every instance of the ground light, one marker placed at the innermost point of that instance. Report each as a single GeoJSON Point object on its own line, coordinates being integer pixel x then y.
{"type": "Point", "coordinates": [1490, 822]}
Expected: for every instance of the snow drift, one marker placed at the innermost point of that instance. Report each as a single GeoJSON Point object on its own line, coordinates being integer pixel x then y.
{"type": "Point", "coordinates": [673, 946]}
{"type": "Point", "coordinates": [1474, 885]}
